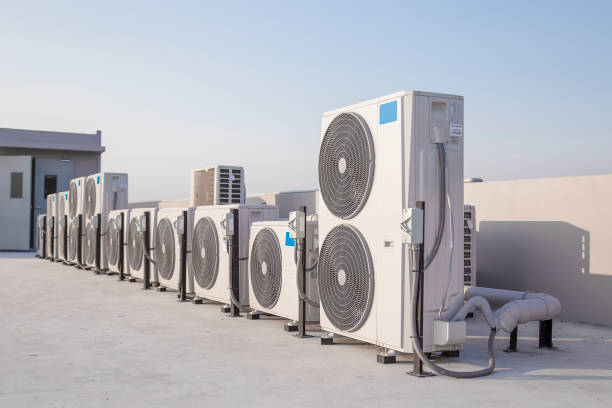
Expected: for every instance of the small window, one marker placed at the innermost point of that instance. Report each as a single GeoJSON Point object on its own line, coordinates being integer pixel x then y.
{"type": "Point", "coordinates": [16, 185]}
{"type": "Point", "coordinates": [50, 186]}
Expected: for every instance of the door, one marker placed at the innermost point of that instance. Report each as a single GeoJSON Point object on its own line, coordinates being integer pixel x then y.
{"type": "Point", "coordinates": [50, 176]}
{"type": "Point", "coordinates": [15, 202]}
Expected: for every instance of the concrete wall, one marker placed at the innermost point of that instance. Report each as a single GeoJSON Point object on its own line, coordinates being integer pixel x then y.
{"type": "Point", "coordinates": [552, 235]}
{"type": "Point", "coordinates": [288, 201]}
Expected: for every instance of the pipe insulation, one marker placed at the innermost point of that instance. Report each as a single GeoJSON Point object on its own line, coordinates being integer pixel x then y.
{"type": "Point", "coordinates": [517, 307]}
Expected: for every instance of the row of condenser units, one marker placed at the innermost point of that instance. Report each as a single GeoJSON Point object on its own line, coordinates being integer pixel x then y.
{"type": "Point", "coordinates": [381, 163]}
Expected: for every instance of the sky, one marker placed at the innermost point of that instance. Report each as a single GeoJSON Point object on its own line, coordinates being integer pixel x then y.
{"type": "Point", "coordinates": [180, 85]}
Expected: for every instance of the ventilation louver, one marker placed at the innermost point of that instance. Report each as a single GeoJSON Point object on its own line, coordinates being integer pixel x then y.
{"type": "Point", "coordinates": [135, 248]}
{"type": "Point", "coordinates": [164, 248]}
{"type": "Point", "coordinates": [346, 278]}
{"type": "Point", "coordinates": [205, 253]}
{"type": "Point", "coordinates": [90, 198]}
{"type": "Point", "coordinates": [266, 268]}
{"type": "Point", "coordinates": [346, 165]}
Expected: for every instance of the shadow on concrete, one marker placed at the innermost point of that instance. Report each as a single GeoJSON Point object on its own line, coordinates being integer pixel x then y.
{"type": "Point", "coordinates": [544, 256]}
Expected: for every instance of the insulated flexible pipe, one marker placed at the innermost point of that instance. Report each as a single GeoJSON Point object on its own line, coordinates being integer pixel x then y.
{"type": "Point", "coordinates": [442, 211]}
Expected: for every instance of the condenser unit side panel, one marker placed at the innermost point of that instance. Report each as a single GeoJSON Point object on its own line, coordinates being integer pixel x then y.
{"type": "Point", "coordinates": [385, 233]}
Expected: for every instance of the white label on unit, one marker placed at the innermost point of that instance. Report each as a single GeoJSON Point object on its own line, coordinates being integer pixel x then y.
{"type": "Point", "coordinates": [470, 225]}
{"type": "Point", "coordinates": [456, 130]}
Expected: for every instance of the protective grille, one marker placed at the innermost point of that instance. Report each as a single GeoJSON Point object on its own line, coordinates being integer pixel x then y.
{"type": "Point", "coordinates": [90, 245]}
{"type": "Point", "coordinates": [73, 203]}
{"type": "Point", "coordinates": [164, 248]}
{"type": "Point", "coordinates": [112, 242]}
{"type": "Point", "coordinates": [135, 248]}
{"type": "Point", "coordinates": [266, 268]}
{"type": "Point", "coordinates": [346, 278]}
{"type": "Point", "coordinates": [205, 253]}
{"type": "Point", "coordinates": [90, 198]}
{"type": "Point", "coordinates": [346, 165]}
{"type": "Point", "coordinates": [73, 236]}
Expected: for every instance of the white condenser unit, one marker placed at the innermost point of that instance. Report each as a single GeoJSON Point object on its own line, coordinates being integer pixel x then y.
{"type": "Point", "coordinates": [63, 217]}
{"type": "Point", "coordinates": [209, 253]}
{"type": "Point", "coordinates": [115, 241]}
{"type": "Point", "coordinates": [103, 193]}
{"type": "Point", "coordinates": [51, 221]}
{"type": "Point", "coordinates": [273, 271]}
{"type": "Point", "coordinates": [217, 185]}
{"type": "Point", "coordinates": [377, 160]}
{"type": "Point", "coordinates": [469, 245]}
{"type": "Point", "coordinates": [41, 230]}
{"type": "Point", "coordinates": [141, 243]}
{"type": "Point", "coordinates": [75, 241]}
{"type": "Point", "coordinates": [172, 239]}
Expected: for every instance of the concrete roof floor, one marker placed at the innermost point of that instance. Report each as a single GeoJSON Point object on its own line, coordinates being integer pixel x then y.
{"type": "Point", "coordinates": [71, 338]}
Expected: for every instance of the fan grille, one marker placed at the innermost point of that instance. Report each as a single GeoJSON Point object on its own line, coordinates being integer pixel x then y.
{"type": "Point", "coordinates": [164, 248]}
{"type": "Point", "coordinates": [90, 244]}
{"type": "Point", "coordinates": [135, 248]}
{"type": "Point", "coordinates": [90, 198]}
{"type": "Point", "coordinates": [346, 278]}
{"type": "Point", "coordinates": [205, 253]}
{"type": "Point", "coordinates": [346, 165]}
{"type": "Point", "coordinates": [72, 204]}
{"type": "Point", "coordinates": [73, 235]}
{"type": "Point", "coordinates": [112, 242]}
{"type": "Point", "coordinates": [266, 268]}
{"type": "Point", "coordinates": [62, 206]}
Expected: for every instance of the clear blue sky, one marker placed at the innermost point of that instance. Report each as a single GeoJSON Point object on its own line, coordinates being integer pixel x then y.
{"type": "Point", "coordinates": [180, 85]}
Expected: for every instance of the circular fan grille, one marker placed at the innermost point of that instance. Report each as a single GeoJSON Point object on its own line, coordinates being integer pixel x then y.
{"type": "Point", "coordinates": [135, 249]}
{"type": "Point", "coordinates": [266, 268]}
{"type": "Point", "coordinates": [62, 206]}
{"type": "Point", "coordinates": [73, 235]}
{"type": "Point", "coordinates": [205, 253]}
{"type": "Point", "coordinates": [90, 198]}
{"type": "Point", "coordinates": [90, 244]}
{"type": "Point", "coordinates": [72, 204]}
{"type": "Point", "coordinates": [346, 278]}
{"type": "Point", "coordinates": [346, 165]}
{"type": "Point", "coordinates": [112, 242]}
{"type": "Point", "coordinates": [164, 248]}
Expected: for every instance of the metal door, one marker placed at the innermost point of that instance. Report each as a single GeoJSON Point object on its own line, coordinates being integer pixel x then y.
{"type": "Point", "coordinates": [15, 202]}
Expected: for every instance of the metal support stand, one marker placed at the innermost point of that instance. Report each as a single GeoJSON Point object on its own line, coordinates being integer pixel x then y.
{"type": "Point", "coordinates": [417, 364]}
{"type": "Point", "coordinates": [197, 300]}
{"type": "Point", "coordinates": [545, 336]}
{"type": "Point", "coordinates": [226, 308]}
{"type": "Point", "coordinates": [513, 341]}
{"type": "Point", "coordinates": [147, 247]}
{"type": "Point", "coordinates": [121, 249]}
{"type": "Point", "coordinates": [182, 296]}
{"type": "Point", "coordinates": [97, 269]}
{"type": "Point", "coordinates": [301, 247]}
{"type": "Point", "coordinates": [253, 315]}
{"type": "Point", "coordinates": [327, 339]}
{"type": "Point", "coordinates": [235, 265]}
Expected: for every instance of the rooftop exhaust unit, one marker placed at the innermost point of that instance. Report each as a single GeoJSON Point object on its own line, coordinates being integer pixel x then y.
{"type": "Point", "coordinates": [217, 185]}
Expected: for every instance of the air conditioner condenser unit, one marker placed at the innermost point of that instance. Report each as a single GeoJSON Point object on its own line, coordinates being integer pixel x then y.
{"type": "Point", "coordinates": [41, 230]}
{"type": "Point", "coordinates": [172, 248]}
{"type": "Point", "coordinates": [62, 223]}
{"type": "Point", "coordinates": [212, 226]}
{"type": "Point", "coordinates": [51, 225]}
{"type": "Point", "coordinates": [273, 271]}
{"type": "Point", "coordinates": [115, 242]}
{"type": "Point", "coordinates": [140, 245]}
{"type": "Point", "coordinates": [377, 160]}
{"type": "Point", "coordinates": [217, 185]}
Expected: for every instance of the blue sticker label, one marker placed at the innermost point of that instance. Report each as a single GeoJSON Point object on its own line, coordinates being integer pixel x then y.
{"type": "Point", "coordinates": [98, 181]}
{"type": "Point", "coordinates": [52, 198]}
{"type": "Point", "coordinates": [66, 196]}
{"type": "Point", "coordinates": [288, 240]}
{"type": "Point", "coordinates": [79, 182]}
{"type": "Point", "coordinates": [388, 112]}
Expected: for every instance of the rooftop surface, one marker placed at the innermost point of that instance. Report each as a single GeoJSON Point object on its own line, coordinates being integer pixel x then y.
{"type": "Point", "coordinates": [72, 338]}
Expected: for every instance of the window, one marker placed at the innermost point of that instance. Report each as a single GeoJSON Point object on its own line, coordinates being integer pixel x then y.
{"type": "Point", "coordinates": [50, 184]}
{"type": "Point", "coordinates": [17, 185]}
